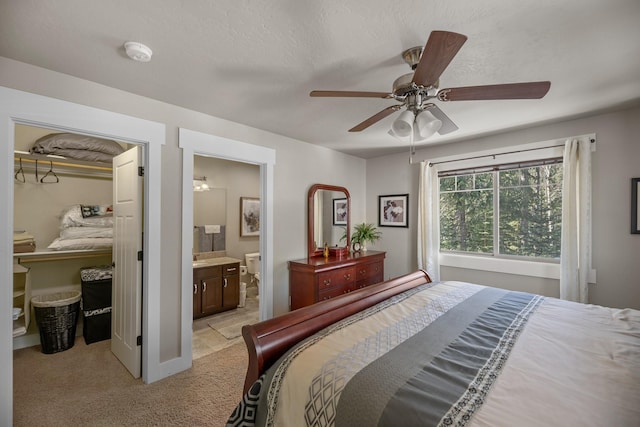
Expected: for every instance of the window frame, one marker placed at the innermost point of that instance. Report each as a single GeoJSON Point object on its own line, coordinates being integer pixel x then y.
{"type": "Point", "coordinates": [508, 264]}
{"type": "Point", "coordinates": [495, 189]}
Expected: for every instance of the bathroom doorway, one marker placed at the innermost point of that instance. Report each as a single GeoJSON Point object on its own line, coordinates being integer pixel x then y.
{"type": "Point", "coordinates": [219, 246]}
{"type": "Point", "coordinates": [205, 145]}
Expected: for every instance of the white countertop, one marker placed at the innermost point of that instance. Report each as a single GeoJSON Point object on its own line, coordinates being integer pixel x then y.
{"type": "Point", "coordinates": [210, 262]}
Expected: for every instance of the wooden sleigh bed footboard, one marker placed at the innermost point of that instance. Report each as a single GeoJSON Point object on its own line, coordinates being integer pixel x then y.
{"type": "Point", "coordinates": [268, 340]}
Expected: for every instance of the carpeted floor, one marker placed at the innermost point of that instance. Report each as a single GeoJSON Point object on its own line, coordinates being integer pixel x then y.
{"type": "Point", "coordinates": [69, 390]}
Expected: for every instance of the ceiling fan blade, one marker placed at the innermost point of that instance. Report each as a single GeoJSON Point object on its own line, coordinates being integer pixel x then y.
{"type": "Point", "coordinates": [447, 124]}
{"type": "Point", "coordinates": [375, 118]}
{"type": "Point", "coordinates": [531, 90]}
{"type": "Point", "coordinates": [350, 94]}
{"type": "Point", "coordinates": [440, 49]}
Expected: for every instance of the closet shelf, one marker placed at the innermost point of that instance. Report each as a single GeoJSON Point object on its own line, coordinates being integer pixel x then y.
{"type": "Point", "coordinates": [40, 256]}
{"type": "Point", "coordinates": [61, 165]}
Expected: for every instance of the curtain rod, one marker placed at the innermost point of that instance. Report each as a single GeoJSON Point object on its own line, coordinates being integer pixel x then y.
{"type": "Point", "coordinates": [592, 140]}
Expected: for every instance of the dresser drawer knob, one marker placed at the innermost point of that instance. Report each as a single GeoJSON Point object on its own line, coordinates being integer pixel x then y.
{"type": "Point", "coordinates": [347, 276]}
{"type": "Point", "coordinates": [326, 282]}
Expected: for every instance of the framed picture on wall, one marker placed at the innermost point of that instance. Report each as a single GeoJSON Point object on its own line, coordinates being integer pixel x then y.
{"type": "Point", "coordinates": [249, 216]}
{"type": "Point", "coordinates": [393, 210]}
{"type": "Point", "coordinates": [340, 212]}
{"type": "Point", "coordinates": [635, 205]}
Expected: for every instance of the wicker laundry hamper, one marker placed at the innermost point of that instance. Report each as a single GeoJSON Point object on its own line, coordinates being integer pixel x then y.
{"type": "Point", "coordinates": [57, 317]}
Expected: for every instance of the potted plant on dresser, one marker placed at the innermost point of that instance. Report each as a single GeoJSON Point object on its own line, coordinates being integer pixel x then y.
{"type": "Point", "coordinates": [362, 234]}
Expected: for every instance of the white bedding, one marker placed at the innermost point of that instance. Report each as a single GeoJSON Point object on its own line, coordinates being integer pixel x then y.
{"type": "Point", "coordinates": [562, 364]}
{"type": "Point", "coordinates": [72, 217]}
{"type": "Point", "coordinates": [79, 244]}
{"type": "Point", "coordinates": [71, 233]}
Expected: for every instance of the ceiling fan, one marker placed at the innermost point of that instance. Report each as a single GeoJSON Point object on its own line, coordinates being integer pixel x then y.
{"type": "Point", "coordinates": [416, 90]}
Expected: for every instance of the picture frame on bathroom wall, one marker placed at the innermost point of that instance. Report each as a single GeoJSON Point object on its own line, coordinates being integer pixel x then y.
{"type": "Point", "coordinates": [249, 216]}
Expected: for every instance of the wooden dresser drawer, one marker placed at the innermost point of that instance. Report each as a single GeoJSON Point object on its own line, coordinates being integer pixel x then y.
{"type": "Point", "coordinates": [339, 277]}
{"type": "Point", "coordinates": [318, 278]}
{"type": "Point", "coordinates": [335, 291]}
{"type": "Point", "coordinates": [372, 269]}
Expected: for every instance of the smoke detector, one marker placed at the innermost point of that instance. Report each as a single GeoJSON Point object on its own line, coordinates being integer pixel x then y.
{"type": "Point", "coordinates": [138, 51]}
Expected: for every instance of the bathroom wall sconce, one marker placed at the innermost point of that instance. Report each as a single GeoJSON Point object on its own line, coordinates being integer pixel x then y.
{"type": "Point", "coordinates": [200, 183]}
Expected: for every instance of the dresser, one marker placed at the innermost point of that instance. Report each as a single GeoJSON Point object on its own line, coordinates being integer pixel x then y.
{"type": "Point", "coordinates": [317, 278]}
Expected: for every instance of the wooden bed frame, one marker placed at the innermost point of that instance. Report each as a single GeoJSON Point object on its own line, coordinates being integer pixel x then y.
{"type": "Point", "coordinates": [268, 340]}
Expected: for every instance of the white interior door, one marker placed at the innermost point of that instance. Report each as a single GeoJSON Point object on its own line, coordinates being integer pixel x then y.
{"type": "Point", "coordinates": [126, 312]}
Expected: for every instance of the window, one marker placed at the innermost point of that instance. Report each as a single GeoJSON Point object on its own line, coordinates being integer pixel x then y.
{"type": "Point", "coordinates": [503, 211]}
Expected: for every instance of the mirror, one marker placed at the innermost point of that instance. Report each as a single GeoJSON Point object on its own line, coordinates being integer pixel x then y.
{"type": "Point", "coordinates": [209, 208]}
{"type": "Point", "coordinates": [328, 211]}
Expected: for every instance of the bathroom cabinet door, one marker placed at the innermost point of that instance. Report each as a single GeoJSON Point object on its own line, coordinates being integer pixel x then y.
{"type": "Point", "coordinates": [207, 291]}
{"type": "Point", "coordinates": [211, 295]}
{"type": "Point", "coordinates": [231, 286]}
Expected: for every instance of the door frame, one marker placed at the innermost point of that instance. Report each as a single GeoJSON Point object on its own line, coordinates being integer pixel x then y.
{"type": "Point", "coordinates": [18, 107]}
{"type": "Point", "coordinates": [203, 144]}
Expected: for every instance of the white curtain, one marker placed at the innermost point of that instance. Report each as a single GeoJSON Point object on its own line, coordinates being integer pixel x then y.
{"type": "Point", "coordinates": [428, 221]}
{"type": "Point", "coordinates": [575, 246]}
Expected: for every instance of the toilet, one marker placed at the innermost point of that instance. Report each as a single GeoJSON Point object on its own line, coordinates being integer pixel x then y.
{"type": "Point", "coordinates": [253, 267]}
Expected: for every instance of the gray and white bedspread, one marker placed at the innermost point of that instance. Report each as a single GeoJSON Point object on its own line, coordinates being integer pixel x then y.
{"type": "Point", "coordinates": [453, 353]}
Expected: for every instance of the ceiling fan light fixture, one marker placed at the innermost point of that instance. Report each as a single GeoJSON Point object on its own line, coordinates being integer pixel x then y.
{"type": "Point", "coordinates": [427, 124]}
{"type": "Point", "coordinates": [403, 125]}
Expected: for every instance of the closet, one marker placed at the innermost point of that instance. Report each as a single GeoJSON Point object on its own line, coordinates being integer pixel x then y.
{"type": "Point", "coordinates": [44, 188]}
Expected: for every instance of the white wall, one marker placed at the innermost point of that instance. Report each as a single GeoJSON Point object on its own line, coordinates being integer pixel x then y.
{"type": "Point", "coordinates": [615, 250]}
{"type": "Point", "coordinates": [293, 176]}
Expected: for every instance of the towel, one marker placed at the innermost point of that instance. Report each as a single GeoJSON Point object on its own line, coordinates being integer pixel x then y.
{"type": "Point", "coordinates": [205, 241]}
{"type": "Point", "coordinates": [219, 239]}
{"type": "Point", "coordinates": [211, 229]}
{"type": "Point", "coordinates": [22, 237]}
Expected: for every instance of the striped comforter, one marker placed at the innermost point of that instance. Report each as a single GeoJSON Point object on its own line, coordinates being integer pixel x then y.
{"type": "Point", "coordinates": [453, 353]}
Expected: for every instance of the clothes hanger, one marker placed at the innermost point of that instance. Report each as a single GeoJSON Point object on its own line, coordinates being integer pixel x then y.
{"type": "Point", "coordinates": [50, 172]}
{"type": "Point", "coordinates": [21, 172]}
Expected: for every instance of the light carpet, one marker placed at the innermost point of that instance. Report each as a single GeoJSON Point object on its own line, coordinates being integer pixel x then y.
{"type": "Point", "coordinates": [87, 386]}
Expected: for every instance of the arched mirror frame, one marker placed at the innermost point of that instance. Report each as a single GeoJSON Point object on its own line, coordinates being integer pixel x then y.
{"type": "Point", "coordinates": [312, 250]}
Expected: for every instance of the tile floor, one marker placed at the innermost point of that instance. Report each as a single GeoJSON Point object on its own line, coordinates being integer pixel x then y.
{"type": "Point", "coordinates": [207, 340]}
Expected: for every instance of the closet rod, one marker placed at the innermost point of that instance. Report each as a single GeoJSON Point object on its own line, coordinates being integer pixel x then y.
{"type": "Point", "coordinates": [47, 161]}
{"type": "Point", "coordinates": [52, 256]}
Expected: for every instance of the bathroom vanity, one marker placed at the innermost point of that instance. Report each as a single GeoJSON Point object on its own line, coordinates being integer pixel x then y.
{"type": "Point", "coordinates": [216, 285]}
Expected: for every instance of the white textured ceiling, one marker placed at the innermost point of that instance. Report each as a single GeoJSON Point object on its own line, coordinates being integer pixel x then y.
{"type": "Point", "coordinates": [255, 62]}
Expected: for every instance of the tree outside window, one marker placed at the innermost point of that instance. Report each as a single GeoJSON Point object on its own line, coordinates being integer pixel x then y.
{"type": "Point", "coordinates": [513, 212]}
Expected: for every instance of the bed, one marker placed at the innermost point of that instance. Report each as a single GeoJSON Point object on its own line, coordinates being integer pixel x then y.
{"type": "Point", "coordinates": [411, 352]}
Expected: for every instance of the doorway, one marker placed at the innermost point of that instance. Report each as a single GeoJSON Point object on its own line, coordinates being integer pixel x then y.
{"type": "Point", "coordinates": [221, 307]}
{"type": "Point", "coordinates": [196, 143]}
{"type": "Point", "coordinates": [17, 107]}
